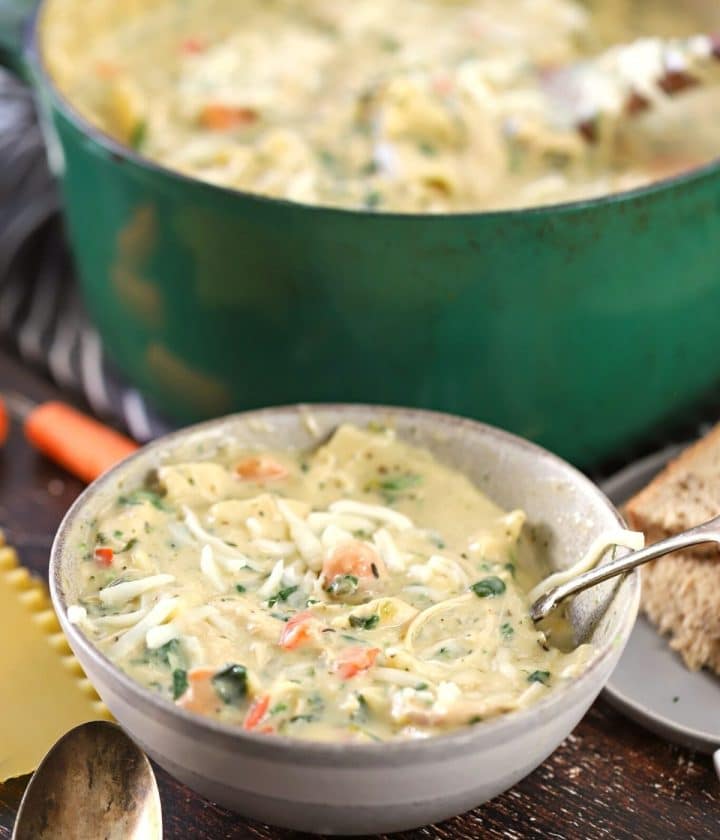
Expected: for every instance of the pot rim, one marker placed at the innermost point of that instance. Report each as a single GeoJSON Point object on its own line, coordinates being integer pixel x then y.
{"type": "Point", "coordinates": [34, 54]}
{"type": "Point", "coordinates": [491, 732]}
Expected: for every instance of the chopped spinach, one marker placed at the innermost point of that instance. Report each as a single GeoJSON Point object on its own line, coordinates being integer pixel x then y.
{"type": "Point", "coordinates": [364, 622]}
{"type": "Point", "coordinates": [389, 44]}
{"type": "Point", "coordinates": [179, 682]}
{"type": "Point", "coordinates": [488, 587]}
{"type": "Point", "coordinates": [230, 684]}
{"type": "Point", "coordinates": [373, 199]}
{"type": "Point", "coordinates": [239, 587]}
{"type": "Point", "coordinates": [539, 676]}
{"type": "Point", "coordinates": [343, 585]}
{"type": "Point", "coordinates": [316, 702]}
{"type": "Point", "coordinates": [128, 545]}
{"type": "Point", "coordinates": [170, 654]}
{"type": "Point", "coordinates": [137, 497]}
{"type": "Point", "coordinates": [507, 630]}
{"type": "Point", "coordinates": [138, 135]}
{"type": "Point", "coordinates": [421, 686]}
{"type": "Point", "coordinates": [362, 713]}
{"type": "Point", "coordinates": [303, 718]}
{"type": "Point", "coordinates": [393, 487]}
{"type": "Point", "coordinates": [279, 707]}
{"type": "Point", "coordinates": [475, 719]}
{"type": "Point", "coordinates": [327, 159]}
{"type": "Point", "coordinates": [282, 595]}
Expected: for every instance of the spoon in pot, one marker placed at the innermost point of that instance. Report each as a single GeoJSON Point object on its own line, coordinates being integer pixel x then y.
{"type": "Point", "coordinates": [94, 782]}
{"type": "Point", "coordinates": [546, 603]}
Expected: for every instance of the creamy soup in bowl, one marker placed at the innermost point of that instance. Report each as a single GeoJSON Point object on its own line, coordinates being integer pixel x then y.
{"type": "Point", "coordinates": [358, 591]}
{"type": "Point", "coordinates": [326, 609]}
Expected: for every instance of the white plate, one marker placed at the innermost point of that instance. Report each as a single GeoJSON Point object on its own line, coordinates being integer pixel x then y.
{"type": "Point", "coordinates": [650, 684]}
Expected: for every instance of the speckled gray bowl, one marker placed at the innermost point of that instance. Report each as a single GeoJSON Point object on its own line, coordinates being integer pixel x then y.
{"type": "Point", "coordinates": [359, 789]}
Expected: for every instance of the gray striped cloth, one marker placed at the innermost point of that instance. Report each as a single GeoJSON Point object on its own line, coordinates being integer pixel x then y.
{"type": "Point", "coordinates": [42, 318]}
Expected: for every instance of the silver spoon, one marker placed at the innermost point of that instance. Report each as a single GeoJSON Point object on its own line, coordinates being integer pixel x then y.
{"type": "Point", "coordinates": [95, 782]}
{"type": "Point", "coordinates": [545, 604]}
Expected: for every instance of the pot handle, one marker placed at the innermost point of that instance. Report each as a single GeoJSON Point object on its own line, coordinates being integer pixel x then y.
{"type": "Point", "coordinates": [15, 16]}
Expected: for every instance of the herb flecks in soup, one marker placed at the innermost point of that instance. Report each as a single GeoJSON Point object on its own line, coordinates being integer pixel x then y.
{"type": "Point", "coordinates": [363, 591]}
{"type": "Point", "coordinates": [434, 106]}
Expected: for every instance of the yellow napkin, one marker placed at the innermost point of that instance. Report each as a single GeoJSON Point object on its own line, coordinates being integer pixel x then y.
{"type": "Point", "coordinates": [43, 690]}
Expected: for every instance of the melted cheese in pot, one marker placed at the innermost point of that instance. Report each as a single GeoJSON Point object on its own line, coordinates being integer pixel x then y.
{"type": "Point", "coordinates": [443, 105]}
{"type": "Point", "coordinates": [362, 591]}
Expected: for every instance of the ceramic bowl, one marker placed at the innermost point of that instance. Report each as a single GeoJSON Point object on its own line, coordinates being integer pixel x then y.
{"type": "Point", "coordinates": [369, 788]}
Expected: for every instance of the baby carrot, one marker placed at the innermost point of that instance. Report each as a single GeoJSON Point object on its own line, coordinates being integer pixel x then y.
{"type": "Point", "coordinates": [85, 447]}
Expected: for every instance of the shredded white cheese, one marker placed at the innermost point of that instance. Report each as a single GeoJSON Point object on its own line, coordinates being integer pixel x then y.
{"type": "Point", "coordinates": [379, 512]}
{"type": "Point", "coordinates": [272, 584]}
{"type": "Point", "coordinates": [156, 637]}
{"type": "Point", "coordinates": [132, 638]}
{"type": "Point", "coordinates": [622, 537]}
{"type": "Point", "coordinates": [120, 593]}
{"type": "Point", "coordinates": [209, 568]}
{"type": "Point", "coordinates": [389, 552]}
{"type": "Point", "coordinates": [308, 544]}
{"type": "Point", "coordinates": [76, 614]}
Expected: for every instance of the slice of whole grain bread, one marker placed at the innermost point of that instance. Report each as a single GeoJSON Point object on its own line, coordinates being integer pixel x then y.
{"type": "Point", "coordinates": [681, 596]}
{"type": "Point", "coordinates": [686, 493]}
{"type": "Point", "coordinates": [681, 592]}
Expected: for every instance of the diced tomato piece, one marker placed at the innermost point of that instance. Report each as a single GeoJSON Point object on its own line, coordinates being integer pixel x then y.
{"type": "Point", "coordinates": [219, 117]}
{"type": "Point", "coordinates": [193, 46]}
{"type": "Point", "coordinates": [256, 713]}
{"type": "Point", "coordinates": [353, 558]}
{"type": "Point", "coordinates": [297, 631]}
{"type": "Point", "coordinates": [260, 468]}
{"type": "Point", "coordinates": [354, 660]}
{"type": "Point", "coordinates": [104, 556]}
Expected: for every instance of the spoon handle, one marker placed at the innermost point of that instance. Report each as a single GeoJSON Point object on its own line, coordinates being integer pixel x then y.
{"type": "Point", "coordinates": [545, 604]}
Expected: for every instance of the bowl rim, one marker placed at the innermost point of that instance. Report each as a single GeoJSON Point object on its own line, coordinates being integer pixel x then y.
{"type": "Point", "coordinates": [394, 752]}
{"type": "Point", "coordinates": [34, 53]}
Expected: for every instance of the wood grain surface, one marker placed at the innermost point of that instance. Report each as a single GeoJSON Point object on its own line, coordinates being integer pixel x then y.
{"type": "Point", "coordinates": [610, 779]}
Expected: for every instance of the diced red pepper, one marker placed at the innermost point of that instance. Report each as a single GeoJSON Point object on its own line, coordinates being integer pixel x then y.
{"type": "Point", "coordinates": [104, 556]}
{"type": "Point", "coordinates": [256, 712]}
{"type": "Point", "coordinates": [219, 117]}
{"type": "Point", "coordinates": [354, 660]}
{"type": "Point", "coordinates": [193, 46]}
{"type": "Point", "coordinates": [297, 631]}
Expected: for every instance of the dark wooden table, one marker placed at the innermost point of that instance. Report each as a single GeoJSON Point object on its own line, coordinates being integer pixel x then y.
{"type": "Point", "coordinates": [610, 779]}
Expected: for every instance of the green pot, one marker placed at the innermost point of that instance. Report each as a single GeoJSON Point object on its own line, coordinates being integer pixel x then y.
{"type": "Point", "coordinates": [581, 326]}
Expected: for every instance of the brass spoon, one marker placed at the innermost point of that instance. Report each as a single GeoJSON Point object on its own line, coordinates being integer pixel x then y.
{"type": "Point", "coordinates": [545, 604]}
{"type": "Point", "coordinates": [95, 782]}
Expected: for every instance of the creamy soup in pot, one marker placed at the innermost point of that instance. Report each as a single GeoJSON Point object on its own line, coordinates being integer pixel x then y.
{"type": "Point", "coordinates": [418, 105]}
{"type": "Point", "coordinates": [359, 592]}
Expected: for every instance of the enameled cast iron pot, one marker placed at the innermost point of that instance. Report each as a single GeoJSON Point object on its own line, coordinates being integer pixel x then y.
{"type": "Point", "coordinates": [580, 326]}
{"type": "Point", "coordinates": [369, 788]}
